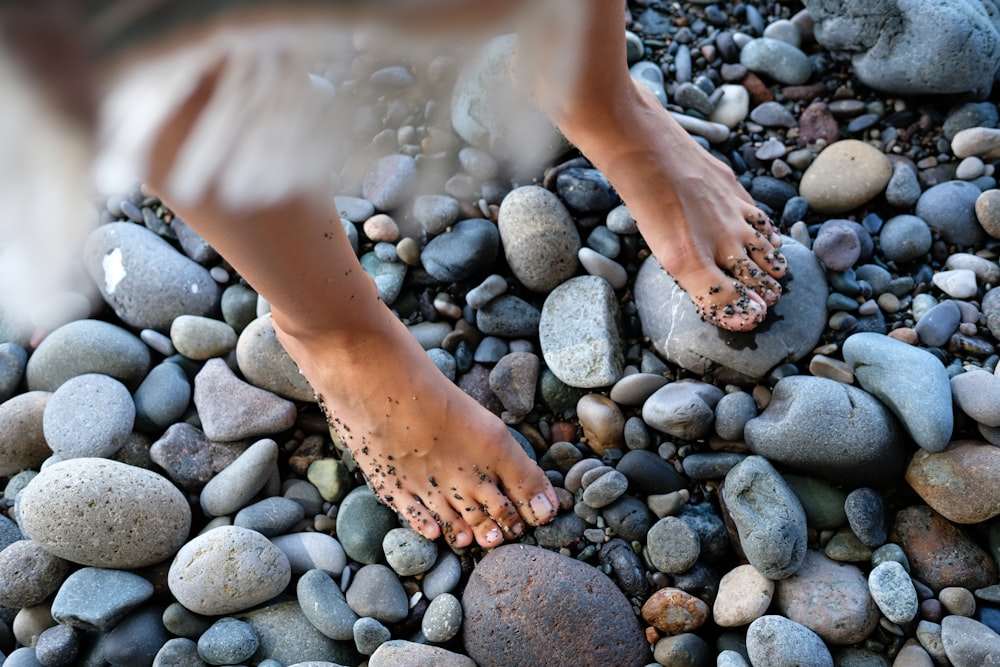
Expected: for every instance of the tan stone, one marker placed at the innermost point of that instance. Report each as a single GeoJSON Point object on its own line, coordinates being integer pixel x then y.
{"type": "Point", "coordinates": [844, 176]}
{"type": "Point", "coordinates": [602, 421]}
{"type": "Point", "coordinates": [744, 596]}
{"type": "Point", "coordinates": [961, 482]}
{"type": "Point", "coordinates": [672, 611]}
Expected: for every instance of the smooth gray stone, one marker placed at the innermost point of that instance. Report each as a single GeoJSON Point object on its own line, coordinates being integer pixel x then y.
{"type": "Point", "coordinates": [389, 182]}
{"type": "Point", "coordinates": [830, 430]}
{"type": "Point", "coordinates": [732, 413]}
{"type": "Point", "coordinates": [88, 415]}
{"type": "Point", "coordinates": [468, 249]}
{"type": "Point", "coordinates": [650, 75]}
{"type": "Point", "coordinates": [97, 599]}
{"type": "Point", "coordinates": [400, 652]}
{"type": "Point", "coordinates": [178, 652]}
{"type": "Point", "coordinates": [137, 639]}
{"type": "Point", "coordinates": [362, 524]}
{"type": "Point", "coordinates": [768, 517]}
{"type": "Point", "coordinates": [376, 591]}
{"type": "Point", "coordinates": [893, 592]}
{"type": "Point", "coordinates": [369, 634]}
{"type": "Point", "coordinates": [58, 645]}
{"type": "Point", "coordinates": [905, 238]}
{"type": "Point", "coordinates": [865, 512]}
{"type": "Point", "coordinates": [435, 213]}
{"type": "Point", "coordinates": [232, 489]}
{"type": "Point", "coordinates": [779, 60]}
{"type": "Point", "coordinates": [969, 643]}
{"type": "Point", "coordinates": [936, 326]}
{"type": "Point", "coordinates": [265, 364]}
{"type": "Point", "coordinates": [13, 360]}
{"type": "Point", "coordinates": [144, 279]}
{"type": "Point", "coordinates": [776, 640]}
{"type": "Point", "coordinates": [286, 635]}
{"type": "Point", "coordinates": [977, 394]}
{"type": "Point", "coordinates": [388, 276]}
{"type": "Point", "coordinates": [87, 346]}
{"type": "Point", "coordinates": [29, 574]}
{"type": "Point", "coordinates": [443, 618]}
{"type": "Point", "coordinates": [228, 642]}
{"type": "Point", "coordinates": [950, 208]}
{"type": "Point", "coordinates": [790, 331]}
{"type": "Point", "coordinates": [324, 604]}
{"type": "Point", "coordinates": [162, 398]}
{"type": "Point", "coordinates": [270, 516]}
{"type": "Point", "coordinates": [682, 409]}
{"type": "Point", "coordinates": [540, 239]}
{"type": "Point", "coordinates": [354, 209]}
{"type": "Point", "coordinates": [909, 380]}
{"type": "Point", "coordinates": [508, 316]}
{"type": "Point", "coordinates": [580, 335]}
{"type": "Point", "coordinates": [408, 552]}
{"type": "Point", "coordinates": [312, 551]}
{"type": "Point", "coordinates": [903, 189]}
{"type": "Point", "coordinates": [913, 48]}
{"type": "Point", "coordinates": [231, 409]}
{"type": "Point", "coordinates": [443, 577]}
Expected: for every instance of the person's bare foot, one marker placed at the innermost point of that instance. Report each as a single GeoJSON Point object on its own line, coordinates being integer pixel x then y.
{"type": "Point", "coordinates": [428, 450]}
{"type": "Point", "coordinates": [700, 223]}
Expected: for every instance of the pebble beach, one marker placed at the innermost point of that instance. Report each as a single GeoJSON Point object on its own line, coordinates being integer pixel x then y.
{"type": "Point", "coordinates": [822, 491]}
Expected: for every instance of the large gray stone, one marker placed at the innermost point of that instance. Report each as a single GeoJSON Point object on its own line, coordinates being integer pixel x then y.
{"type": "Point", "coordinates": [265, 363]}
{"type": "Point", "coordinates": [913, 47]}
{"type": "Point", "coordinates": [829, 429]}
{"type": "Point", "coordinates": [792, 327]}
{"type": "Point", "coordinates": [539, 237]}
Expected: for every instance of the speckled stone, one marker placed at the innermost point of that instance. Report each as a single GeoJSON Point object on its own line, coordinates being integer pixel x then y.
{"type": "Point", "coordinates": [231, 409]}
{"type": "Point", "coordinates": [105, 513]}
{"type": "Point", "coordinates": [960, 483]}
{"type": "Point", "coordinates": [539, 237]}
{"type": "Point", "coordinates": [266, 365]}
{"type": "Point", "coordinates": [776, 640]}
{"type": "Point", "coordinates": [29, 574]}
{"type": "Point", "coordinates": [87, 346]}
{"type": "Point", "coordinates": [673, 611]}
{"type": "Point", "coordinates": [232, 489]}
{"type": "Point", "coordinates": [400, 652]}
{"type": "Point", "coordinates": [744, 596]}
{"type": "Point", "coordinates": [288, 637]}
{"type": "Point", "coordinates": [88, 415]}
{"type": "Point", "coordinates": [22, 439]}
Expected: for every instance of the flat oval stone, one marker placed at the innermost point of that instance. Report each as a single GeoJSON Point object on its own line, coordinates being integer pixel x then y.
{"type": "Point", "coordinates": [467, 250]}
{"type": "Point", "coordinates": [270, 516]}
{"type": "Point", "coordinates": [286, 636]}
{"type": "Point", "coordinates": [579, 333]}
{"type": "Point", "coordinates": [768, 517]}
{"type": "Point", "coordinates": [22, 438]}
{"type": "Point", "coordinates": [893, 592]}
{"type": "Point", "coordinates": [96, 599]}
{"type": "Point", "coordinates": [776, 640]}
{"type": "Point", "coordinates": [845, 175]}
{"type": "Point", "coordinates": [362, 524]}
{"type": "Point", "coordinates": [977, 393]}
{"type": "Point", "coordinates": [674, 611]}
{"type": "Point", "coordinates": [241, 480]}
{"type": "Point", "coordinates": [960, 483]}
{"type": "Point", "coordinates": [522, 602]}
{"type": "Point", "coordinates": [408, 552]}
{"type": "Point", "coordinates": [201, 338]}
{"type": "Point", "coordinates": [376, 592]}
{"type": "Point", "coordinates": [87, 346]}
{"type": "Point", "coordinates": [312, 551]}
{"type": "Point", "coordinates": [539, 237]}
{"type": "Point", "coordinates": [950, 209]}
{"type": "Point", "coordinates": [104, 513]}
{"type": "Point", "coordinates": [227, 569]}
{"type": "Point", "coordinates": [400, 652]}
{"type": "Point", "coordinates": [744, 596]}
{"type": "Point", "coordinates": [265, 363]}
{"type": "Point", "coordinates": [325, 606]}
{"type": "Point", "coordinates": [602, 421]}
{"type": "Point", "coordinates": [29, 574]}
{"type": "Point", "coordinates": [390, 181]}
{"type": "Point", "coordinates": [88, 415]}
{"type": "Point", "coordinates": [228, 642]}
{"type": "Point", "coordinates": [779, 60]}
{"type": "Point", "coordinates": [162, 398]}
{"type": "Point", "coordinates": [144, 279]}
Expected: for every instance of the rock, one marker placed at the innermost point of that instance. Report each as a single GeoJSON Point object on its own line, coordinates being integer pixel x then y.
{"type": "Point", "coordinates": [137, 639]}
{"type": "Point", "coordinates": [950, 209]}
{"type": "Point", "coordinates": [886, 40]}
{"type": "Point", "coordinates": [744, 596]}
{"type": "Point", "coordinates": [844, 176]}
{"type": "Point", "coordinates": [733, 106]}
{"type": "Point", "coordinates": [790, 331]}
{"type": "Point", "coordinates": [936, 326]}
{"type": "Point", "coordinates": [362, 524]}
{"type": "Point", "coordinates": [201, 338]}
{"type": "Point", "coordinates": [651, 76]}
{"type": "Point", "coordinates": [836, 246]}
{"type": "Point", "coordinates": [388, 276]}
{"type": "Point", "coordinates": [228, 642]}
{"type": "Point", "coordinates": [399, 652]}
{"type": "Point", "coordinates": [903, 189]}
{"type": "Point", "coordinates": [189, 458]}
{"type": "Point", "coordinates": [103, 513]}
{"type": "Point", "coordinates": [982, 142]}
{"type": "Point", "coordinates": [288, 637]}
{"type": "Point", "coordinates": [779, 60]}
{"type": "Point", "coordinates": [522, 602]}
{"type": "Point", "coordinates": [96, 599]}
{"type": "Point", "coordinates": [909, 381]}
{"type": "Point", "coordinates": [828, 429]}
{"type": "Point", "coordinates": [408, 553]}
{"type": "Point", "coordinates": [905, 238]}
{"type": "Point", "coordinates": [865, 511]}
{"type": "Point", "coordinates": [959, 482]}
{"type": "Point", "coordinates": [325, 605]}
{"type": "Point", "coordinates": [768, 517]}
{"type": "Point", "coordinates": [226, 570]}
{"type": "Point", "coordinates": [162, 398]}
{"type": "Point", "coordinates": [233, 487]}
{"type": "Point", "coordinates": [376, 592]}
{"type": "Point", "coordinates": [969, 643]}
{"type": "Point", "coordinates": [579, 333]}
{"type": "Point", "coordinates": [87, 346]}
{"type": "Point", "coordinates": [648, 474]}
{"type": "Point", "coordinates": [489, 113]}
{"type": "Point", "coordinates": [13, 360]}
{"type": "Point", "coordinates": [88, 415]}
{"type": "Point", "coordinates": [513, 380]}
{"type": "Point", "coordinates": [893, 592]}
{"type": "Point", "coordinates": [22, 438]}
{"type": "Point", "coordinates": [602, 421]}
{"type": "Point", "coordinates": [312, 551]}
{"type": "Point", "coordinates": [465, 251]}
{"type": "Point", "coordinates": [673, 611]}
{"type": "Point", "coordinates": [231, 409]}
{"type": "Point", "coordinates": [829, 598]}
{"type": "Point", "coordinates": [732, 412]}
{"type": "Point", "coordinates": [443, 618]}
{"type": "Point", "coordinates": [682, 409]}
{"type": "Point", "coordinates": [266, 365]}
{"type": "Point", "coordinates": [539, 238]}
{"type": "Point", "coordinates": [672, 546]}
{"type": "Point", "coordinates": [977, 393]}
{"type": "Point", "coordinates": [270, 516]}
{"type": "Point", "coordinates": [144, 279]}
{"type": "Point", "coordinates": [586, 191]}
{"type": "Point", "coordinates": [29, 574]}
{"type": "Point", "coordinates": [940, 554]}
{"type": "Point", "coordinates": [775, 640]}
{"type": "Point", "coordinates": [389, 182]}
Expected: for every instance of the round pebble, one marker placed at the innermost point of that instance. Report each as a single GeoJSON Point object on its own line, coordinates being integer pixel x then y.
{"type": "Point", "coordinates": [408, 553]}
{"type": "Point", "coordinates": [673, 546]}
{"type": "Point", "coordinates": [443, 618]}
{"type": "Point", "coordinates": [228, 642]}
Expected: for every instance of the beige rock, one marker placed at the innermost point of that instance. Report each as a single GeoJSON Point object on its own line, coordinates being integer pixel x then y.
{"type": "Point", "coordinates": [844, 176]}
{"type": "Point", "coordinates": [744, 596]}
{"type": "Point", "coordinates": [22, 442]}
{"type": "Point", "coordinates": [983, 142]}
{"type": "Point", "coordinates": [988, 212]}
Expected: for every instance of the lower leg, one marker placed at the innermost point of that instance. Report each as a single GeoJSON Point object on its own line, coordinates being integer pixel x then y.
{"type": "Point", "coordinates": [695, 216]}
{"type": "Point", "coordinates": [428, 450]}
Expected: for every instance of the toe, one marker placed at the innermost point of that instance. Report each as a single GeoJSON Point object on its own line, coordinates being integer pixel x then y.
{"type": "Point", "coordinates": [499, 508]}
{"type": "Point", "coordinates": [453, 526]}
{"type": "Point", "coordinates": [742, 313]}
{"type": "Point", "coordinates": [488, 533]}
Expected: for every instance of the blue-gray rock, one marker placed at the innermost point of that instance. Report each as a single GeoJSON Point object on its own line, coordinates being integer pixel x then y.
{"type": "Point", "coordinates": [443, 577]}
{"type": "Point", "coordinates": [778, 642]}
{"type": "Point", "coordinates": [467, 250]}
{"type": "Point", "coordinates": [104, 513]}
{"type": "Point", "coordinates": [288, 637]}
{"type": "Point", "coordinates": [389, 182]}
{"type": "Point", "coordinates": [649, 474]}
{"type": "Point", "coordinates": [977, 394]}
{"type": "Point", "coordinates": [443, 618]}
{"type": "Point", "coordinates": [388, 276]}
{"type": "Point", "coordinates": [324, 604]}
{"type": "Point", "coordinates": [354, 209]}
{"type": "Point", "coordinates": [162, 398]}
{"type": "Point", "coordinates": [144, 279]}
{"type": "Point", "coordinates": [779, 60]}
{"type": "Point", "coordinates": [312, 551]}
{"type": "Point", "coordinates": [865, 512]}
{"type": "Point", "coordinates": [22, 657]}
{"type": "Point", "coordinates": [489, 113]}
{"type": "Point", "coordinates": [604, 241]}
{"type": "Point", "coordinates": [97, 599]}
{"type": "Point", "coordinates": [399, 652]}
{"type": "Point", "coordinates": [890, 43]}
{"type": "Point", "coordinates": [903, 189]}
{"type": "Point", "coordinates": [435, 213]}
{"type": "Point", "coordinates": [88, 415]}
{"type": "Point", "coordinates": [508, 316]}
{"type": "Point", "coordinates": [969, 115]}
{"type": "Point", "coordinates": [585, 191]}
{"type": "Point", "coordinates": [907, 379]}
{"type": "Point", "coordinates": [231, 409]}
{"type": "Point", "coordinates": [29, 574]}
{"type": "Point", "coordinates": [905, 238]}
{"type": "Point", "coordinates": [893, 592]}
{"type": "Point", "coordinates": [672, 545]}
{"type": "Point", "coordinates": [270, 516]}
{"type": "Point", "coordinates": [969, 643]}
{"type": "Point", "coordinates": [605, 489]}
{"type": "Point", "coordinates": [201, 338]}
{"type": "Point", "coordinates": [87, 346]}
{"type": "Point", "coordinates": [710, 465]}
{"type": "Point", "coordinates": [491, 287]}
{"type": "Point", "coordinates": [13, 360]}
{"type": "Point", "coordinates": [266, 365]}
{"type": "Point", "coordinates": [936, 326]}
{"type": "Point", "coordinates": [408, 552]}
{"type": "Point", "coordinates": [690, 96]}
{"type": "Point", "coordinates": [137, 639]}
{"type": "Point", "coordinates": [57, 646]}
{"type": "Point", "coordinates": [22, 438]}
{"type": "Point", "coordinates": [828, 429]}
{"type": "Point", "coordinates": [540, 240]}
{"type": "Point", "coordinates": [178, 652]}
{"type": "Point", "coordinates": [580, 335]}
{"type": "Point", "coordinates": [772, 191]}
{"type": "Point", "coordinates": [683, 409]}
{"type": "Point", "coordinates": [768, 517]}
{"type": "Point", "coordinates": [732, 412]}
{"type": "Point", "coordinates": [228, 642]}
{"type": "Point", "coordinates": [375, 591]}
{"type": "Point", "coordinates": [241, 480]}
{"type": "Point", "coordinates": [950, 208]}
{"type": "Point", "coordinates": [561, 531]}
{"type": "Point", "coordinates": [711, 530]}
{"type": "Point", "coordinates": [369, 634]}
{"type": "Point", "coordinates": [227, 569]}
{"type": "Point", "coordinates": [362, 524]}
{"type": "Point", "coordinates": [239, 306]}
{"type": "Point", "coordinates": [629, 518]}
{"type": "Point", "coordinates": [790, 331]}
{"type": "Point", "coordinates": [650, 75]}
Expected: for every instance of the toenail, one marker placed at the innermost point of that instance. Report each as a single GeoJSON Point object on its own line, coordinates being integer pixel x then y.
{"type": "Point", "coordinates": [494, 536]}
{"type": "Point", "coordinates": [540, 506]}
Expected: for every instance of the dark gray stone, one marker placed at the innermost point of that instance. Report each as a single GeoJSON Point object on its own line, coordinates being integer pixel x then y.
{"type": "Point", "coordinates": [469, 249]}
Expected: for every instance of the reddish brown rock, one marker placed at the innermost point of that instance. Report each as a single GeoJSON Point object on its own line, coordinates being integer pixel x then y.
{"type": "Point", "coordinates": [602, 421]}
{"type": "Point", "coordinates": [672, 611]}
{"type": "Point", "coordinates": [526, 605]}
{"type": "Point", "coordinates": [940, 554]}
{"type": "Point", "coordinates": [815, 123]}
{"type": "Point", "coordinates": [962, 483]}
{"type": "Point", "coordinates": [759, 92]}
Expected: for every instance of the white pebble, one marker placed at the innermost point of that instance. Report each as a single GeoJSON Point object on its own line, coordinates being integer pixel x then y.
{"type": "Point", "coordinates": [970, 168]}
{"type": "Point", "coordinates": [219, 275]}
{"type": "Point", "coordinates": [956, 283]}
